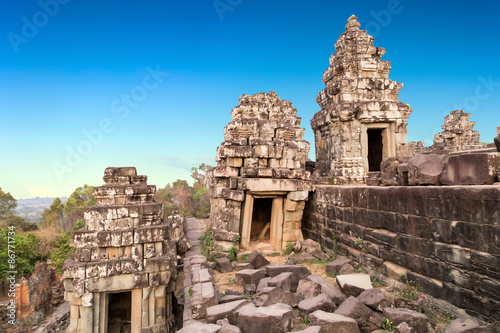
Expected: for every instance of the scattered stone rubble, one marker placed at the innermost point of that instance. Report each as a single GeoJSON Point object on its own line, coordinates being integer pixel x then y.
{"type": "Point", "coordinates": [286, 291]}
{"type": "Point", "coordinates": [358, 104]}
{"type": "Point", "coordinates": [125, 261]}
{"type": "Point", "coordinates": [263, 156]}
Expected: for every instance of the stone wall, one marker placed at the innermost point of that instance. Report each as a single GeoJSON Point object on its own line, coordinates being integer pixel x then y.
{"type": "Point", "coordinates": [447, 237]}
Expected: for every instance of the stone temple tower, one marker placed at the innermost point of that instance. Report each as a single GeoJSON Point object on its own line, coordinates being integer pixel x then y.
{"type": "Point", "coordinates": [361, 121]}
{"type": "Point", "coordinates": [259, 187]}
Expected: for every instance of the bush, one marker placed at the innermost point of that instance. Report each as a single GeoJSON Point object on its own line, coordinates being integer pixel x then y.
{"type": "Point", "coordinates": [26, 250]}
{"type": "Point", "coordinates": [64, 250]}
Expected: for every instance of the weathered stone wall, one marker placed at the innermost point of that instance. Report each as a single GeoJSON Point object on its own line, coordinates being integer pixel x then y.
{"type": "Point", "coordinates": [448, 237]}
{"type": "Point", "coordinates": [458, 133]}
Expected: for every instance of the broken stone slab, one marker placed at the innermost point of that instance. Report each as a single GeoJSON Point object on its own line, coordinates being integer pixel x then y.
{"type": "Point", "coordinates": [224, 235]}
{"type": "Point", "coordinates": [346, 269]}
{"type": "Point", "coordinates": [301, 257]}
{"type": "Point", "coordinates": [466, 325]}
{"type": "Point", "coordinates": [391, 173]}
{"type": "Point", "coordinates": [426, 169]}
{"type": "Point", "coordinates": [471, 169]}
{"type": "Point", "coordinates": [310, 329]}
{"type": "Point", "coordinates": [271, 295]}
{"type": "Point", "coordinates": [354, 284]}
{"type": "Point", "coordinates": [226, 310]}
{"type": "Point", "coordinates": [263, 283]}
{"type": "Point", "coordinates": [198, 327]}
{"type": "Point", "coordinates": [202, 296]}
{"type": "Point", "coordinates": [231, 298]}
{"type": "Point", "coordinates": [274, 318]}
{"type": "Point", "coordinates": [308, 289]}
{"type": "Point", "coordinates": [328, 289]}
{"type": "Point", "coordinates": [336, 265]}
{"type": "Point", "coordinates": [375, 299]}
{"type": "Point", "coordinates": [250, 289]}
{"type": "Point", "coordinates": [319, 302]}
{"type": "Point", "coordinates": [286, 281]}
{"type": "Point", "coordinates": [367, 319]}
{"type": "Point", "coordinates": [229, 329]}
{"type": "Point", "coordinates": [404, 328]}
{"type": "Point", "coordinates": [249, 276]}
{"type": "Point", "coordinates": [333, 323]}
{"type": "Point", "coordinates": [418, 321]}
{"type": "Point", "coordinates": [299, 272]}
{"type": "Point", "coordinates": [257, 260]}
{"type": "Point", "coordinates": [223, 265]}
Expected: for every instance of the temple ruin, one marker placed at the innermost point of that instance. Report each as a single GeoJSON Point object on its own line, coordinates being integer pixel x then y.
{"type": "Point", "coordinates": [260, 184]}
{"type": "Point", "coordinates": [458, 134]}
{"type": "Point", "coordinates": [361, 121]}
{"type": "Point", "coordinates": [122, 275]}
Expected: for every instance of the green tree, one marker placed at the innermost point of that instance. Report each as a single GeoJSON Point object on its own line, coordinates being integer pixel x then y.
{"type": "Point", "coordinates": [53, 217]}
{"type": "Point", "coordinates": [7, 205]}
{"type": "Point", "coordinates": [166, 195]}
{"type": "Point", "coordinates": [183, 196]}
{"type": "Point", "coordinates": [81, 198]}
{"type": "Point", "coordinates": [19, 223]}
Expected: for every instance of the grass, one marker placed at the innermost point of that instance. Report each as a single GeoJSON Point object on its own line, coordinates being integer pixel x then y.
{"type": "Point", "coordinates": [410, 289]}
{"type": "Point", "coordinates": [376, 282]}
{"type": "Point", "coordinates": [288, 249]}
{"type": "Point", "coordinates": [387, 325]}
{"type": "Point", "coordinates": [359, 242]}
{"type": "Point", "coordinates": [244, 257]}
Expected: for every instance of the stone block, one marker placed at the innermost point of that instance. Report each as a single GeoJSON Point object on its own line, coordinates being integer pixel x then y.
{"type": "Point", "coordinates": [472, 169]}
{"type": "Point", "coordinates": [286, 281]}
{"type": "Point", "coordinates": [374, 299]}
{"type": "Point", "coordinates": [274, 318]}
{"type": "Point", "coordinates": [236, 195]}
{"type": "Point", "coordinates": [298, 196]}
{"type": "Point", "coordinates": [308, 289]}
{"type": "Point", "coordinates": [226, 310]}
{"type": "Point", "coordinates": [334, 266]}
{"type": "Point", "coordinates": [354, 284]}
{"type": "Point", "coordinates": [319, 302]}
{"type": "Point", "coordinates": [418, 321]}
{"type": "Point", "coordinates": [333, 323]}
{"type": "Point", "coordinates": [367, 319]}
{"type": "Point", "coordinates": [452, 253]}
{"type": "Point", "coordinates": [257, 260]}
{"type": "Point", "coordinates": [250, 276]}
{"type": "Point", "coordinates": [328, 289]}
{"type": "Point", "coordinates": [426, 169]}
{"type": "Point", "coordinates": [272, 295]}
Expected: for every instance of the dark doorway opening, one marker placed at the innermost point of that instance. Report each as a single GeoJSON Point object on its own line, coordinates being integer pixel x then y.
{"type": "Point", "coordinates": [119, 312]}
{"type": "Point", "coordinates": [261, 219]}
{"type": "Point", "coordinates": [375, 149]}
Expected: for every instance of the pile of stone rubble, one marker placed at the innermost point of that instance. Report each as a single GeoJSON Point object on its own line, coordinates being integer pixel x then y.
{"type": "Point", "coordinates": [274, 294]}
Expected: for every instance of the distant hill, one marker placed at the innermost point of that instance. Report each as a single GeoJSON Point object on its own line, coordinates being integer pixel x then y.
{"type": "Point", "coordinates": [32, 209]}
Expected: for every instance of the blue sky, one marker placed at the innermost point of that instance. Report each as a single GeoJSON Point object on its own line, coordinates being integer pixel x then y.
{"type": "Point", "coordinates": [84, 84]}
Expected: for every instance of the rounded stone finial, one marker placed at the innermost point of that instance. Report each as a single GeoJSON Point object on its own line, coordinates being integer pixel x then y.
{"type": "Point", "coordinates": [352, 23]}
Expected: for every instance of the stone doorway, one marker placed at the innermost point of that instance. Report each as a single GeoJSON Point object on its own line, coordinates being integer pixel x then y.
{"type": "Point", "coordinates": [375, 148]}
{"type": "Point", "coordinates": [261, 220]}
{"type": "Point", "coordinates": [119, 312]}
{"type": "Point", "coordinates": [259, 209]}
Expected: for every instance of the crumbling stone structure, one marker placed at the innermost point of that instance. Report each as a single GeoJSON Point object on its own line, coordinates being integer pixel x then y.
{"type": "Point", "coordinates": [260, 185]}
{"type": "Point", "coordinates": [361, 121]}
{"type": "Point", "coordinates": [458, 134]}
{"type": "Point", "coordinates": [122, 275]}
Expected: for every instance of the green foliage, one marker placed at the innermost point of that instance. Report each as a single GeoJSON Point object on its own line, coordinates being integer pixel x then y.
{"type": "Point", "coordinates": [27, 253]}
{"type": "Point", "coordinates": [190, 291]}
{"type": "Point", "coordinates": [332, 180]}
{"type": "Point", "coordinates": [305, 318]}
{"type": "Point", "coordinates": [244, 257]}
{"type": "Point", "coordinates": [81, 198]}
{"type": "Point", "coordinates": [387, 325]}
{"type": "Point", "coordinates": [359, 242]}
{"type": "Point", "coordinates": [410, 289]}
{"type": "Point", "coordinates": [288, 249]}
{"type": "Point", "coordinates": [7, 205]}
{"type": "Point", "coordinates": [188, 200]}
{"type": "Point", "coordinates": [207, 243]}
{"type": "Point", "coordinates": [359, 270]}
{"type": "Point", "coordinates": [376, 282]}
{"type": "Point", "coordinates": [64, 249]}
{"type": "Point", "coordinates": [233, 252]}
{"type": "Point", "coordinates": [334, 274]}
{"type": "Point", "coordinates": [319, 261]}
{"type": "Point", "coordinates": [19, 223]}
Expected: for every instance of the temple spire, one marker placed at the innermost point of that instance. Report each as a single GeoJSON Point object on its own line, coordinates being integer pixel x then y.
{"type": "Point", "coordinates": [352, 23]}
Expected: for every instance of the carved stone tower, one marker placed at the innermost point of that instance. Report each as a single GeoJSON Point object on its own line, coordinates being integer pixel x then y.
{"type": "Point", "coordinates": [361, 121]}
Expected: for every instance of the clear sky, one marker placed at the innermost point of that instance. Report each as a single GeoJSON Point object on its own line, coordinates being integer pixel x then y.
{"type": "Point", "coordinates": [89, 84]}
